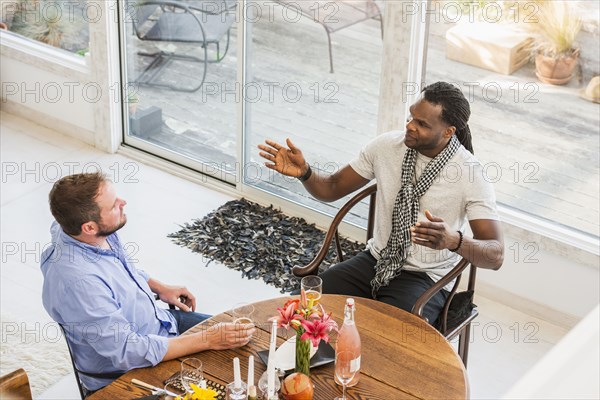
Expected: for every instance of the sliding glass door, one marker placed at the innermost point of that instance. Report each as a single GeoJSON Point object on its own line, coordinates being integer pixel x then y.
{"type": "Point", "coordinates": [180, 62]}
{"type": "Point", "coordinates": [313, 77]}
{"type": "Point", "coordinates": [208, 80]}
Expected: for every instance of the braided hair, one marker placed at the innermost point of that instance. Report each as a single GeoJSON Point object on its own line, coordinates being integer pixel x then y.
{"type": "Point", "coordinates": [455, 109]}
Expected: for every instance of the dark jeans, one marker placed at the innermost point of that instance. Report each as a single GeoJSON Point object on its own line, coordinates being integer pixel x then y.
{"type": "Point", "coordinates": [353, 278]}
{"type": "Point", "coordinates": [186, 320]}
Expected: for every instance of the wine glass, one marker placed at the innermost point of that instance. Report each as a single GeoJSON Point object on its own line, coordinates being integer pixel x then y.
{"type": "Point", "coordinates": [173, 387]}
{"type": "Point", "coordinates": [242, 313]}
{"type": "Point", "coordinates": [344, 369]}
{"type": "Point", "coordinates": [191, 372]}
{"type": "Point", "coordinates": [313, 287]}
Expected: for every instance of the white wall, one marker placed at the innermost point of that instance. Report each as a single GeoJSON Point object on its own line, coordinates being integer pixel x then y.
{"type": "Point", "coordinates": [56, 96]}
{"type": "Point", "coordinates": [532, 277]}
{"type": "Point", "coordinates": [570, 370]}
{"type": "Point", "coordinates": [74, 95]}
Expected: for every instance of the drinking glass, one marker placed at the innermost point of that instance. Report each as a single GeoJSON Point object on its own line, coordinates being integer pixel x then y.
{"type": "Point", "coordinates": [344, 369]}
{"type": "Point", "coordinates": [242, 313]}
{"type": "Point", "coordinates": [191, 372]}
{"type": "Point", "coordinates": [173, 387]}
{"type": "Point", "coordinates": [233, 393]}
{"type": "Point", "coordinates": [313, 287]}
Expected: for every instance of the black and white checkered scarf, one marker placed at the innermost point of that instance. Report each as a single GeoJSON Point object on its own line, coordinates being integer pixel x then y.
{"type": "Point", "coordinates": [406, 210]}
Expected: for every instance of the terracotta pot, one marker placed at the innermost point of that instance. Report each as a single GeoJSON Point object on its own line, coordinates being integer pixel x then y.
{"type": "Point", "coordinates": [132, 108]}
{"type": "Point", "coordinates": [556, 71]}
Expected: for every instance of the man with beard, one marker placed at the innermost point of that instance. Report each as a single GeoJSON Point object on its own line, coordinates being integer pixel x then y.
{"type": "Point", "coordinates": [105, 305]}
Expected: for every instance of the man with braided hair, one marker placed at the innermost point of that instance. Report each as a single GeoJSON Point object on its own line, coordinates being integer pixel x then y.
{"type": "Point", "coordinates": [429, 185]}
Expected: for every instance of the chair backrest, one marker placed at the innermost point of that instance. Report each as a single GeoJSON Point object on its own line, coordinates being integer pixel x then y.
{"type": "Point", "coordinates": [15, 386]}
{"type": "Point", "coordinates": [139, 13]}
{"type": "Point", "coordinates": [82, 390]}
{"type": "Point", "coordinates": [332, 232]}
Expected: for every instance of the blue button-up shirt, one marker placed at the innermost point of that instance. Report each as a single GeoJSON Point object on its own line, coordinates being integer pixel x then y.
{"type": "Point", "coordinates": [105, 305]}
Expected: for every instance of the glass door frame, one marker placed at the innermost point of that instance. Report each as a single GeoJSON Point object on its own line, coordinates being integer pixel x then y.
{"type": "Point", "coordinates": [205, 168]}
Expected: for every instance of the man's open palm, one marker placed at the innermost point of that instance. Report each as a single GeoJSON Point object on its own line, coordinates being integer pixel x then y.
{"type": "Point", "coordinates": [287, 161]}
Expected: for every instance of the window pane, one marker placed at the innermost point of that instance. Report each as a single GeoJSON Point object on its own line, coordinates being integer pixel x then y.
{"type": "Point", "coordinates": [538, 141]}
{"type": "Point", "coordinates": [60, 23]}
{"type": "Point", "coordinates": [291, 91]}
{"type": "Point", "coordinates": [181, 66]}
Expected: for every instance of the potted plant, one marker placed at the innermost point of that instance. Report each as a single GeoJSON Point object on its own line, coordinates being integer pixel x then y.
{"type": "Point", "coordinates": [556, 54]}
{"type": "Point", "coordinates": [132, 101]}
{"type": "Point", "coordinates": [33, 19]}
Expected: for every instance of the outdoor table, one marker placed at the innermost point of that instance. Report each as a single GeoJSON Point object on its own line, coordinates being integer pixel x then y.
{"type": "Point", "coordinates": [403, 357]}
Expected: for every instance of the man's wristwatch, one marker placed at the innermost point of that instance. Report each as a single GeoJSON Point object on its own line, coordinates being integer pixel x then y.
{"type": "Point", "coordinates": [306, 175]}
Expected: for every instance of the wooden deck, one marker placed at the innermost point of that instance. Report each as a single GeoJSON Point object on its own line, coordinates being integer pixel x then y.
{"type": "Point", "coordinates": [547, 152]}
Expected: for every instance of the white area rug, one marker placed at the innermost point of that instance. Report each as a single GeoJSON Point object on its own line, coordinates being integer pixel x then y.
{"type": "Point", "coordinates": [40, 349]}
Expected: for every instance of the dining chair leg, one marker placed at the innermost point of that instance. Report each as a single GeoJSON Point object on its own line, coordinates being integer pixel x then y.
{"type": "Point", "coordinates": [463, 344]}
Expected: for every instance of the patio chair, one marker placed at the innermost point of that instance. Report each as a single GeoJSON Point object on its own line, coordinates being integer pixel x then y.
{"type": "Point", "coordinates": [205, 22]}
{"type": "Point", "coordinates": [335, 15]}
{"type": "Point", "coordinates": [15, 385]}
{"type": "Point", "coordinates": [459, 310]}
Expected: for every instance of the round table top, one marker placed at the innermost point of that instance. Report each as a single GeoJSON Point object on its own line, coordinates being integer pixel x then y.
{"type": "Point", "coordinates": [402, 356]}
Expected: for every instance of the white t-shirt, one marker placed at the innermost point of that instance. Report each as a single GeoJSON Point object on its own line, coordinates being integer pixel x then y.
{"type": "Point", "coordinates": [459, 193]}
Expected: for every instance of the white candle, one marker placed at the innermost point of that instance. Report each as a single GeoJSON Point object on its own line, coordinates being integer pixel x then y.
{"type": "Point", "coordinates": [237, 376]}
{"type": "Point", "coordinates": [271, 361]}
{"type": "Point", "coordinates": [250, 371]}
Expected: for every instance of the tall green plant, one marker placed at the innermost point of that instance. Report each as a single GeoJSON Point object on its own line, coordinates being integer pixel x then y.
{"type": "Point", "coordinates": [36, 21]}
{"type": "Point", "coordinates": [558, 27]}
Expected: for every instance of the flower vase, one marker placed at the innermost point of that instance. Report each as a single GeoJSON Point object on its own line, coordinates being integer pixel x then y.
{"type": "Point", "coordinates": [302, 354]}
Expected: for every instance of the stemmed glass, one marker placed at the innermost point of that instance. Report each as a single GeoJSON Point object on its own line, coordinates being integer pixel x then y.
{"type": "Point", "coordinates": [344, 369]}
{"type": "Point", "coordinates": [313, 287]}
{"type": "Point", "coordinates": [191, 372]}
{"type": "Point", "coordinates": [242, 313]}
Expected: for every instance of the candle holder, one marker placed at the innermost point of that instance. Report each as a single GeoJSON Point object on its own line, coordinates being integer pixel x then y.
{"type": "Point", "coordinates": [239, 393]}
{"type": "Point", "coordinates": [263, 383]}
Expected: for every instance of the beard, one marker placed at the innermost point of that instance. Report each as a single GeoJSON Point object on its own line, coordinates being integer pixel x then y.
{"type": "Point", "coordinates": [105, 231]}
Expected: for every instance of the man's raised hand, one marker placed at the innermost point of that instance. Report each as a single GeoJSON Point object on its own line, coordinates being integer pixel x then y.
{"type": "Point", "coordinates": [286, 161]}
{"type": "Point", "coordinates": [435, 233]}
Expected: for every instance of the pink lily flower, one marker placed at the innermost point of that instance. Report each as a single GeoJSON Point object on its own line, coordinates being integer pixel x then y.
{"type": "Point", "coordinates": [318, 329]}
{"type": "Point", "coordinates": [287, 314]}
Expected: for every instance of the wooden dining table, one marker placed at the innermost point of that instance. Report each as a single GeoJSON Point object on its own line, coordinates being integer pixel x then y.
{"type": "Point", "coordinates": [402, 357]}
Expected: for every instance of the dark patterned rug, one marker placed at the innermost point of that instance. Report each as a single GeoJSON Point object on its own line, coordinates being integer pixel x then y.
{"type": "Point", "coordinates": [261, 242]}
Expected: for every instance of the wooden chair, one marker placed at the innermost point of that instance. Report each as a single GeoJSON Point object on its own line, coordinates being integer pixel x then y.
{"type": "Point", "coordinates": [461, 315]}
{"type": "Point", "coordinates": [15, 386]}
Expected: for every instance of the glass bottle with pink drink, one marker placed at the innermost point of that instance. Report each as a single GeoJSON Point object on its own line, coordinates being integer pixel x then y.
{"type": "Point", "coordinates": [349, 340]}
